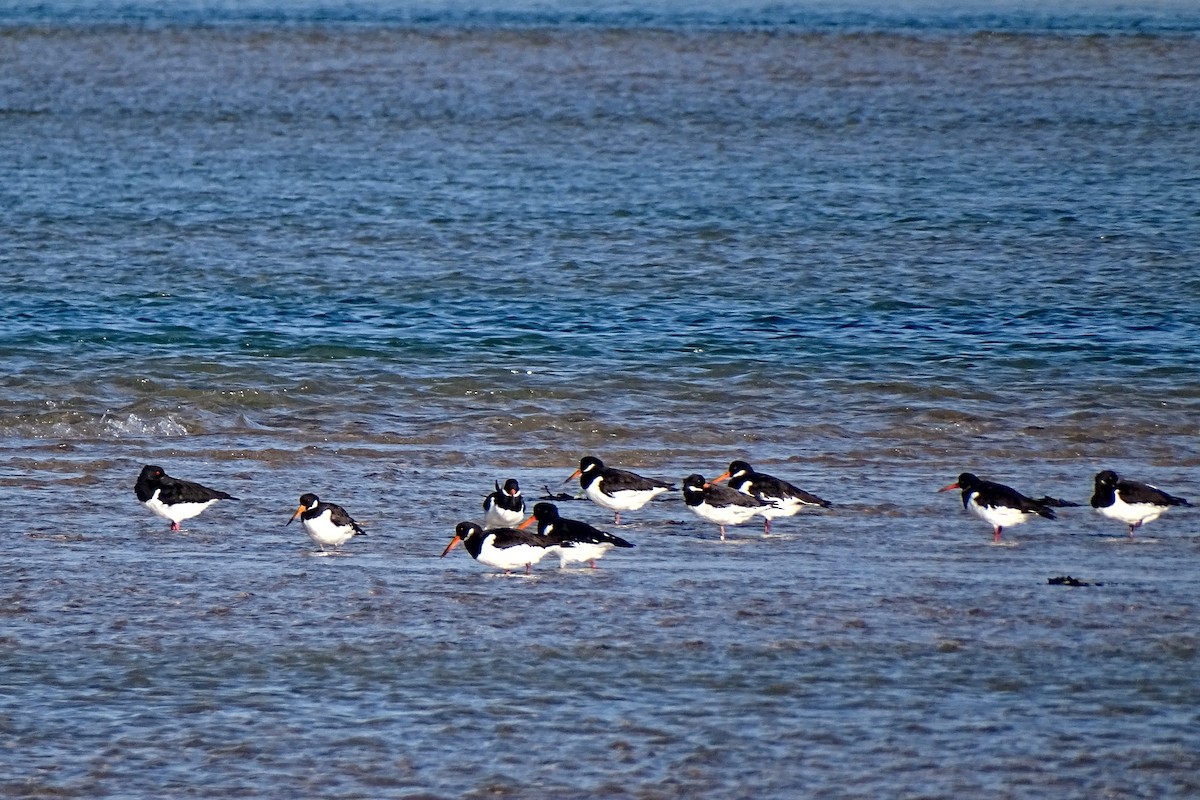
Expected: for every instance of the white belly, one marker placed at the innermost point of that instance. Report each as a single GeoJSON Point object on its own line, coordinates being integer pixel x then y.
{"type": "Point", "coordinates": [582, 552]}
{"type": "Point", "coordinates": [322, 530]}
{"type": "Point", "coordinates": [1132, 513]}
{"type": "Point", "coordinates": [179, 511]}
{"type": "Point", "coordinates": [726, 515]}
{"type": "Point", "coordinates": [497, 517]}
{"type": "Point", "coordinates": [510, 558]}
{"type": "Point", "coordinates": [783, 508]}
{"type": "Point", "coordinates": [628, 500]}
{"type": "Point", "coordinates": [1002, 516]}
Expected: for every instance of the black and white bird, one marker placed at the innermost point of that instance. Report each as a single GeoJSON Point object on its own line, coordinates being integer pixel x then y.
{"type": "Point", "coordinates": [577, 541]}
{"type": "Point", "coordinates": [785, 499]}
{"type": "Point", "coordinates": [503, 548]}
{"type": "Point", "coordinates": [325, 523]}
{"type": "Point", "coordinates": [504, 508]}
{"type": "Point", "coordinates": [999, 505]}
{"type": "Point", "coordinates": [174, 499]}
{"type": "Point", "coordinates": [720, 504]}
{"type": "Point", "coordinates": [616, 489]}
{"type": "Point", "coordinates": [1129, 501]}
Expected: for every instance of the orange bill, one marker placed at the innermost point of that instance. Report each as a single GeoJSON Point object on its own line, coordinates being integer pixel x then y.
{"type": "Point", "coordinates": [299, 511]}
{"type": "Point", "coordinates": [453, 543]}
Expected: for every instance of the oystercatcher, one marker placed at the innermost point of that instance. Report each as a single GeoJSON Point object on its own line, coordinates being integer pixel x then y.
{"type": "Point", "coordinates": [720, 504]}
{"type": "Point", "coordinates": [999, 505]}
{"type": "Point", "coordinates": [577, 541]}
{"type": "Point", "coordinates": [504, 508]}
{"type": "Point", "coordinates": [785, 499]}
{"type": "Point", "coordinates": [325, 523]}
{"type": "Point", "coordinates": [616, 489]}
{"type": "Point", "coordinates": [174, 499]}
{"type": "Point", "coordinates": [503, 548]}
{"type": "Point", "coordinates": [1129, 501]}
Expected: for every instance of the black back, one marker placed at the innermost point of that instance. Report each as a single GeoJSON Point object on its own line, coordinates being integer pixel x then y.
{"type": "Point", "coordinates": [696, 490]}
{"type": "Point", "coordinates": [337, 515]}
{"type": "Point", "coordinates": [616, 480]}
{"type": "Point", "coordinates": [1109, 484]}
{"type": "Point", "coordinates": [764, 486]}
{"type": "Point", "coordinates": [989, 494]}
{"type": "Point", "coordinates": [473, 537]}
{"type": "Point", "coordinates": [509, 498]}
{"type": "Point", "coordinates": [172, 490]}
{"type": "Point", "coordinates": [560, 530]}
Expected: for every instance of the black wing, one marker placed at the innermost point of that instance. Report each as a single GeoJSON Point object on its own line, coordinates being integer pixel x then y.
{"type": "Point", "coordinates": [767, 486]}
{"type": "Point", "coordinates": [720, 494]}
{"type": "Point", "coordinates": [511, 537]}
{"type": "Point", "coordinates": [1134, 492]}
{"type": "Point", "coordinates": [571, 531]}
{"type": "Point", "coordinates": [619, 480]}
{"type": "Point", "coordinates": [174, 490]}
{"type": "Point", "coordinates": [339, 517]}
{"type": "Point", "coordinates": [490, 499]}
{"type": "Point", "coordinates": [990, 494]}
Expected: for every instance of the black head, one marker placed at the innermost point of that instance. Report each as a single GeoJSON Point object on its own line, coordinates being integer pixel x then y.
{"type": "Point", "coordinates": [589, 464]}
{"type": "Point", "coordinates": [966, 481]}
{"type": "Point", "coordinates": [739, 468]}
{"type": "Point", "coordinates": [307, 501]}
{"type": "Point", "coordinates": [1107, 479]}
{"type": "Point", "coordinates": [694, 489]}
{"type": "Point", "coordinates": [545, 512]}
{"type": "Point", "coordinates": [511, 487]}
{"type": "Point", "coordinates": [151, 472]}
{"type": "Point", "coordinates": [462, 532]}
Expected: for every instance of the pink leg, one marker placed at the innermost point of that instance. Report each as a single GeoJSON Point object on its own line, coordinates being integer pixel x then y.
{"type": "Point", "coordinates": [617, 519]}
{"type": "Point", "coordinates": [996, 534]}
{"type": "Point", "coordinates": [722, 533]}
{"type": "Point", "coordinates": [175, 526]}
{"type": "Point", "coordinates": [766, 526]}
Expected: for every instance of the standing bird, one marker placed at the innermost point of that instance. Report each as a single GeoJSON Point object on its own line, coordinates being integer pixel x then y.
{"type": "Point", "coordinates": [999, 505]}
{"type": "Point", "coordinates": [325, 523]}
{"type": "Point", "coordinates": [503, 548]}
{"type": "Point", "coordinates": [1129, 501]}
{"type": "Point", "coordinates": [720, 504]}
{"type": "Point", "coordinates": [577, 541]}
{"type": "Point", "coordinates": [504, 508]}
{"type": "Point", "coordinates": [616, 489]}
{"type": "Point", "coordinates": [174, 499]}
{"type": "Point", "coordinates": [785, 498]}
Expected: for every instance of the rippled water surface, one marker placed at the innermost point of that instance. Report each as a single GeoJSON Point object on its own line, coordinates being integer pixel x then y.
{"type": "Point", "coordinates": [393, 255]}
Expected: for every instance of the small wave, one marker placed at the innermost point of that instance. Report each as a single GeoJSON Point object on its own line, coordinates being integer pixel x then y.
{"type": "Point", "coordinates": [134, 425]}
{"type": "Point", "coordinates": [78, 425]}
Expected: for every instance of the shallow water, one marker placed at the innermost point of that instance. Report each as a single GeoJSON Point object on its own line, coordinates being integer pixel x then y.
{"type": "Point", "coordinates": [391, 259]}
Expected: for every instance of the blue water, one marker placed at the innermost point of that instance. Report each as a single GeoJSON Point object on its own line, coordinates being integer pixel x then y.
{"type": "Point", "coordinates": [1071, 16]}
{"type": "Point", "coordinates": [391, 253]}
